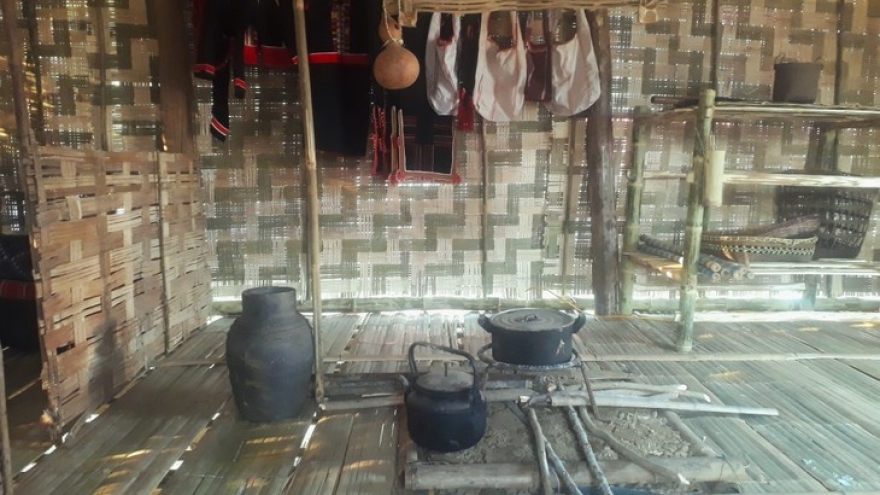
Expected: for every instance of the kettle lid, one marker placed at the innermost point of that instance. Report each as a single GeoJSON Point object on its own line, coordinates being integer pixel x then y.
{"type": "Point", "coordinates": [531, 320]}
{"type": "Point", "coordinates": [451, 382]}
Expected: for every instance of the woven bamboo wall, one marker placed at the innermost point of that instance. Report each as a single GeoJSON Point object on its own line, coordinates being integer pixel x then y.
{"type": "Point", "coordinates": [11, 196]}
{"type": "Point", "coordinates": [423, 240]}
{"type": "Point", "coordinates": [123, 271]}
{"type": "Point", "coordinates": [98, 74]}
{"type": "Point", "coordinates": [185, 250]}
{"type": "Point", "coordinates": [101, 264]}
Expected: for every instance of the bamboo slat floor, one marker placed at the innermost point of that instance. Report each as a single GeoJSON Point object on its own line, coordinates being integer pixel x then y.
{"type": "Point", "coordinates": [826, 438]}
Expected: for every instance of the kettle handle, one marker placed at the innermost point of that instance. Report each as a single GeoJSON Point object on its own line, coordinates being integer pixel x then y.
{"type": "Point", "coordinates": [475, 388]}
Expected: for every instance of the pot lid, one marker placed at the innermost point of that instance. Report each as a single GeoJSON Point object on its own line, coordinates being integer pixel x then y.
{"type": "Point", "coordinates": [531, 320]}
{"type": "Point", "coordinates": [452, 382]}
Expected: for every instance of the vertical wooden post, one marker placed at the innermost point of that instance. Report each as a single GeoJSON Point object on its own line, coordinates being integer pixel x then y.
{"type": "Point", "coordinates": [30, 16]}
{"type": "Point", "coordinates": [635, 183]}
{"type": "Point", "coordinates": [313, 200]}
{"type": "Point", "coordinates": [823, 147]}
{"type": "Point", "coordinates": [484, 212]}
{"type": "Point", "coordinates": [838, 62]}
{"type": "Point", "coordinates": [694, 222]}
{"type": "Point", "coordinates": [601, 176]}
{"type": "Point", "coordinates": [27, 161]}
{"type": "Point", "coordinates": [566, 256]}
{"type": "Point", "coordinates": [175, 80]}
{"type": "Point", "coordinates": [102, 133]}
{"type": "Point", "coordinates": [717, 33]}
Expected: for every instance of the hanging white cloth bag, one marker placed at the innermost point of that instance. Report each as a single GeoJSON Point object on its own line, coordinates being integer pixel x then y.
{"type": "Point", "coordinates": [575, 75]}
{"type": "Point", "coordinates": [440, 56]}
{"type": "Point", "coordinates": [501, 71]}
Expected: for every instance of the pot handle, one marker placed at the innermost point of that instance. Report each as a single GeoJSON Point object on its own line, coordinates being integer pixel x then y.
{"type": "Point", "coordinates": [578, 323]}
{"type": "Point", "coordinates": [485, 322]}
{"type": "Point", "coordinates": [475, 388]}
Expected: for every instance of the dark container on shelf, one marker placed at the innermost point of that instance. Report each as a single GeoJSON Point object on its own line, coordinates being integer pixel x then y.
{"type": "Point", "coordinates": [796, 82]}
{"type": "Point", "coordinates": [270, 356]}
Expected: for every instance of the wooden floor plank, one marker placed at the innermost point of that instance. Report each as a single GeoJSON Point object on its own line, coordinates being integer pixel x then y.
{"type": "Point", "coordinates": [318, 473]}
{"type": "Point", "coordinates": [149, 429]}
{"type": "Point", "coordinates": [369, 467]}
{"type": "Point", "coordinates": [337, 332]}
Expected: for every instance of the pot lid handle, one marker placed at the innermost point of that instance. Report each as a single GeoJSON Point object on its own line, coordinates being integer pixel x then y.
{"type": "Point", "coordinates": [475, 387]}
{"type": "Point", "coordinates": [578, 323]}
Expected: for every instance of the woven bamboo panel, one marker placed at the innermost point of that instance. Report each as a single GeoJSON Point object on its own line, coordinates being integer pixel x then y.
{"type": "Point", "coordinates": [107, 240]}
{"type": "Point", "coordinates": [670, 57]}
{"type": "Point", "coordinates": [185, 253]}
{"type": "Point", "coordinates": [131, 96]}
{"type": "Point", "coordinates": [100, 282]}
{"type": "Point", "coordinates": [11, 196]}
{"type": "Point", "coordinates": [861, 44]}
{"type": "Point", "coordinates": [66, 42]}
{"type": "Point", "coordinates": [423, 240]}
{"type": "Point", "coordinates": [88, 86]}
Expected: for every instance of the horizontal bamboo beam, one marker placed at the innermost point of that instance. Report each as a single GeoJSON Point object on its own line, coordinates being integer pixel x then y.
{"type": "Point", "coordinates": [478, 6]}
{"type": "Point", "coordinates": [727, 357]}
{"type": "Point", "coordinates": [819, 267]}
{"type": "Point", "coordinates": [859, 115]}
{"type": "Point", "coordinates": [230, 308]}
{"type": "Point", "coordinates": [559, 400]}
{"type": "Point", "coordinates": [426, 476]}
{"type": "Point", "coordinates": [805, 180]}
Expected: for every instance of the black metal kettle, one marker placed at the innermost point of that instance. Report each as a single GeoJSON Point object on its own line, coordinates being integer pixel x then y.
{"type": "Point", "coordinates": [445, 412]}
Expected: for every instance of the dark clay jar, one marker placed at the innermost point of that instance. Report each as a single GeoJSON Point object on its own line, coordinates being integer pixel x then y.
{"type": "Point", "coordinates": [270, 356]}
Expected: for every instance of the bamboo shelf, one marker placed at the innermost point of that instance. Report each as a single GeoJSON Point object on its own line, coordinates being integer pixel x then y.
{"type": "Point", "coordinates": [772, 179]}
{"type": "Point", "coordinates": [826, 118]}
{"type": "Point", "coordinates": [725, 111]}
{"type": "Point", "coordinates": [672, 269]}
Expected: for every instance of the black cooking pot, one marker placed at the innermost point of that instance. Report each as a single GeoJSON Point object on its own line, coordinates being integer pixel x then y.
{"type": "Point", "coordinates": [533, 337]}
{"type": "Point", "coordinates": [445, 411]}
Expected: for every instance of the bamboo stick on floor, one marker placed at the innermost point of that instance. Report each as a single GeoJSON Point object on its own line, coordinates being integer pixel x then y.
{"type": "Point", "coordinates": [584, 441]}
{"type": "Point", "coordinates": [698, 443]}
{"type": "Point", "coordinates": [627, 452]}
{"type": "Point", "coordinates": [540, 452]}
{"type": "Point", "coordinates": [427, 476]}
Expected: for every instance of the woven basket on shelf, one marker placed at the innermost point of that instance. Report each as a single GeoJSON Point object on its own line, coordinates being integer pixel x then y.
{"type": "Point", "coordinates": [844, 215]}
{"type": "Point", "coordinates": [746, 249]}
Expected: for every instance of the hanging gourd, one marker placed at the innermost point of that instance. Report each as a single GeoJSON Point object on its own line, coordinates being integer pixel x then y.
{"type": "Point", "coordinates": [395, 67]}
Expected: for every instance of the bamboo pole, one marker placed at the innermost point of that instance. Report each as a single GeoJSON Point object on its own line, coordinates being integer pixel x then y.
{"type": "Point", "coordinates": [627, 452]}
{"type": "Point", "coordinates": [484, 211]}
{"type": "Point", "coordinates": [635, 184]}
{"type": "Point", "coordinates": [175, 79]}
{"type": "Point", "coordinates": [560, 400]}
{"type": "Point", "coordinates": [717, 37]}
{"type": "Point", "coordinates": [696, 442]}
{"type": "Point", "coordinates": [838, 61]}
{"type": "Point", "coordinates": [601, 176]}
{"type": "Point", "coordinates": [428, 476]}
{"type": "Point", "coordinates": [540, 452]}
{"type": "Point", "coordinates": [29, 12]}
{"type": "Point", "coordinates": [694, 223]}
{"type": "Point", "coordinates": [313, 200]}
{"type": "Point", "coordinates": [567, 252]}
{"type": "Point", "coordinates": [581, 435]}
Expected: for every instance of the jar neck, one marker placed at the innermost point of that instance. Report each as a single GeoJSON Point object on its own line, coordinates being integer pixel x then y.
{"type": "Point", "coordinates": [266, 302]}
